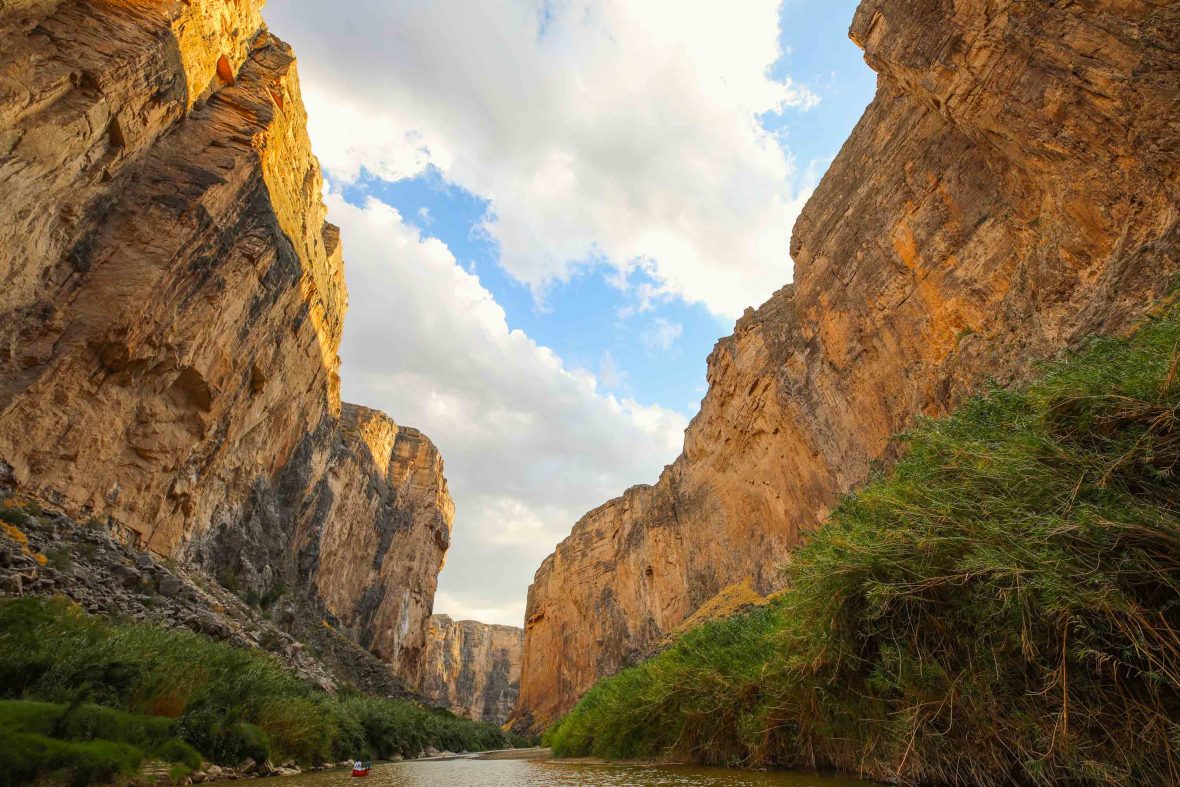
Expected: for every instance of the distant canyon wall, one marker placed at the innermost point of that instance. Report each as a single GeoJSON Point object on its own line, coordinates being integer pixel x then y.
{"type": "Point", "coordinates": [473, 668]}
{"type": "Point", "coordinates": [1014, 186]}
{"type": "Point", "coordinates": [171, 307]}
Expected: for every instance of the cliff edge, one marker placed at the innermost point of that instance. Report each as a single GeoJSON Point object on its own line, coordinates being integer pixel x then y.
{"type": "Point", "coordinates": [171, 307]}
{"type": "Point", "coordinates": [1013, 186]}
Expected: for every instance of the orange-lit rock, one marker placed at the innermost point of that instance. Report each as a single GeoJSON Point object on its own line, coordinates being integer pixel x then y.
{"type": "Point", "coordinates": [472, 668]}
{"type": "Point", "coordinates": [1012, 188]}
{"type": "Point", "coordinates": [171, 306]}
{"type": "Point", "coordinates": [173, 298]}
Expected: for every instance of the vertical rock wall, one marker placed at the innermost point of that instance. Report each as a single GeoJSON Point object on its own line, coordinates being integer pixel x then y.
{"type": "Point", "coordinates": [171, 306]}
{"type": "Point", "coordinates": [472, 668]}
{"type": "Point", "coordinates": [172, 297]}
{"type": "Point", "coordinates": [356, 526]}
{"type": "Point", "coordinates": [1013, 186]}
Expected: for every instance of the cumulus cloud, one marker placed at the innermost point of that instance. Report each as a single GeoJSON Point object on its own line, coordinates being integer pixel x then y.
{"type": "Point", "coordinates": [529, 444]}
{"type": "Point", "coordinates": [661, 334]}
{"type": "Point", "coordinates": [609, 373]}
{"type": "Point", "coordinates": [600, 131]}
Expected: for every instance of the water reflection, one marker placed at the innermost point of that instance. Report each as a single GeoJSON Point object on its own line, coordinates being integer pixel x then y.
{"type": "Point", "coordinates": [555, 773]}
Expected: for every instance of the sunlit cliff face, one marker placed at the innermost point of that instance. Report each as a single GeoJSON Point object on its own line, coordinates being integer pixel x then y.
{"type": "Point", "coordinates": [172, 311]}
{"type": "Point", "coordinates": [997, 201]}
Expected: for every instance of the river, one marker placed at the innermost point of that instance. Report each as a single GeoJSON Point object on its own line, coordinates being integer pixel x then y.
{"type": "Point", "coordinates": [558, 773]}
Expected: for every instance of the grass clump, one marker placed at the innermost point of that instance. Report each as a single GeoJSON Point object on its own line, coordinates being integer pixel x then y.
{"type": "Point", "coordinates": [83, 744]}
{"type": "Point", "coordinates": [1002, 607]}
{"type": "Point", "coordinates": [30, 757]}
{"type": "Point", "coordinates": [226, 703]}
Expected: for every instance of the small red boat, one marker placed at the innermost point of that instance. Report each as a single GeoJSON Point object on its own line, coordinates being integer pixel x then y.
{"type": "Point", "coordinates": [361, 768]}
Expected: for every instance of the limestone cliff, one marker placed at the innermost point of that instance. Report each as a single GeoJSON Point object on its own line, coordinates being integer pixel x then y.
{"type": "Point", "coordinates": [1012, 187]}
{"type": "Point", "coordinates": [472, 668]}
{"type": "Point", "coordinates": [171, 305]}
{"type": "Point", "coordinates": [358, 521]}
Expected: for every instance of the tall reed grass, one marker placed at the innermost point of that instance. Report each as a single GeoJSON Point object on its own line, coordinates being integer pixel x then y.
{"type": "Point", "coordinates": [1002, 607]}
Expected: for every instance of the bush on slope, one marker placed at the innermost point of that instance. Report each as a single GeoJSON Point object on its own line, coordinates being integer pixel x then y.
{"type": "Point", "coordinates": [1002, 607]}
{"type": "Point", "coordinates": [226, 702]}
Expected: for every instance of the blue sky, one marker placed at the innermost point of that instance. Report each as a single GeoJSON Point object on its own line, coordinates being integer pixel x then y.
{"type": "Point", "coordinates": [657, 356]}
{"type": "Point", "coordinates": [551, 211]}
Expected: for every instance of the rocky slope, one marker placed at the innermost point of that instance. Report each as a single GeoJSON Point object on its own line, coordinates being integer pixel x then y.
{"type": "Point", "coordinates": [472, 668]}
{"type": "Point", "coordinates": [1013, 186]}
{"type": "Point", "coordinates": [171, 303]}
{"type": "Point", "coordinates": [46, 553]}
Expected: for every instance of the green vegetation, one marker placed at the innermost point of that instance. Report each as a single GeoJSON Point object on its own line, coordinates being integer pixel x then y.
{"type": "Point", "coordinates": [1003, 607]}
{"type": "Point", "coordinates": [182, 690]}
{"type": "Point", "coordinates": [518, 741]}
{"type": "Point", "coordinates": [83, 744]}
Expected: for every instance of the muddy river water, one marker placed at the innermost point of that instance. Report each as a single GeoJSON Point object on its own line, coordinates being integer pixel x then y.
{"type": "Point", "coordinates": [542, 772]}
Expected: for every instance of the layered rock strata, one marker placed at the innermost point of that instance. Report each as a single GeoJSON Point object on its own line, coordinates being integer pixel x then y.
{"type": "Point", "coordinates": [171, 304]}
{"type": "Point", "coordinates": [1014, 186]}
{"type": "Point", "coordinates": [472, 668]}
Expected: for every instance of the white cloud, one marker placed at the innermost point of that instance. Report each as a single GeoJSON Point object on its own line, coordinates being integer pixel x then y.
{"type": "Point", "coordinates": [661, 334]}
{"type": "Point", "coordinates": [462, 608]}
{"type": "Point", "coordinates": [529, 444]}
{"type": "Point", "coordinates": [599, 130]}
{"type": "Point", "coordinates": [609, 374]}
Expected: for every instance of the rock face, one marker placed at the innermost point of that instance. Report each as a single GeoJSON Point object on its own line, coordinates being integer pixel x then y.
{"type": "Point", "coordinates": [48, 554]}
{"type": "Point", "coordinates": [171, 304]}
{"type": "Point", "coordinates": [472, 668]}
{"type": "Point", "coordinates": [1014, 186]}
{"type": "Point", "coordinates": [357, 523]}
{"type": "Point", "coordinates": [172, 299]}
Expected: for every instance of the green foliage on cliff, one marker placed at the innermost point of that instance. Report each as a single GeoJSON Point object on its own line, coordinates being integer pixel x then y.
{"type": "Point", "coordinates": [1002, 607]}
{"type": "Point", "coordinates": [226, 702]}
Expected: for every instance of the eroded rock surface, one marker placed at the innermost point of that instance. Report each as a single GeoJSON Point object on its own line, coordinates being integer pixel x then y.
{"type": "Point", "coordinates": [171, 305]}
{"type": "Point", "coordinates": [46, 553]}
{"type": "Point", "coordinates": [1012, 188]}
{"type": "Point", "coordinates": [173, 298]}
{"type": "Point", "coordinates": [472, 668]}
{"type": "Point", "coordinates": [357, 524]}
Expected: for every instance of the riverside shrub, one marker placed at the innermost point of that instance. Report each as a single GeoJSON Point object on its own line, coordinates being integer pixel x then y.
{"type": "Point", "coordinates": [1002, 607]}
{"type": "Point", "coordinates": [83, 744]}
{"type": "Point", "coordinates": [226, 702]}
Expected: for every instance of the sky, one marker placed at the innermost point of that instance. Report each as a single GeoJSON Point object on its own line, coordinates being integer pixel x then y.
{"type": "Point", "coordinates": [551, 210]}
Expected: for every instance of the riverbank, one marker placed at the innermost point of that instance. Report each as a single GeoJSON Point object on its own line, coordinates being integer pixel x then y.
{"type": "Point", "coordinates": [531, 753]}
{"type": "Point", "coordinates": [185, 700]}
{"type": "Point", "coordinates": [1001, 607]}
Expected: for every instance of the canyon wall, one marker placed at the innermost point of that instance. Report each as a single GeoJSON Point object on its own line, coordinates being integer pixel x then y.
{"type": "Point", "coordinates": [171, 306]}
{"type": "Point", "coordinates": [1012, 188]}
{"type": "Point", "coordinates": [356, 525]}
{"type": "Point", "coordinates": [472, 668]}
